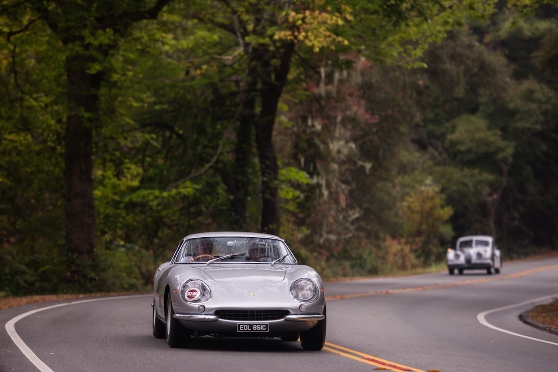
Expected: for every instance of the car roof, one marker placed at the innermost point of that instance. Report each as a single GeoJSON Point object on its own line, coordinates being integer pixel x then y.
{"type": "Point", "coordinates": [476, 237]}
{"type": "Point", "coordinates": [231, 234]}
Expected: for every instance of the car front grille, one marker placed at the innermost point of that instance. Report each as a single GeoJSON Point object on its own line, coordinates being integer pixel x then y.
{"type": "Point", "coordinates": [251, 314]}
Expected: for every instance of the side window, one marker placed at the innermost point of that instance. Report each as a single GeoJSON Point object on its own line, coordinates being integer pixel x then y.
{"type": "Point", "coordinates": [174, 258]}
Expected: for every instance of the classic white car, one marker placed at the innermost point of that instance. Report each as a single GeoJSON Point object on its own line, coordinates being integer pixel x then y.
{"type": "Point", "coordinates": [238, 285]}
{"type": "Point", "coordinates": [474, 252]}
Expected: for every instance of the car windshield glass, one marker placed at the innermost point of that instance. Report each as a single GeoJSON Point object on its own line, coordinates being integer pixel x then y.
{"type": "Point", "coordinates": [465, 244]}
{"type": "Point", "coordinates": [238, 249]}
{"type": "Point", "coordinates": [482, 243]}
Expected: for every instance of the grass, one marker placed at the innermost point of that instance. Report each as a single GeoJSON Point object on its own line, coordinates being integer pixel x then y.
{"type": "Point", "coordinates": [546, 314]}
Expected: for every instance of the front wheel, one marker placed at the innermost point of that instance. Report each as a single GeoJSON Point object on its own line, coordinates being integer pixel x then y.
{"type": "Point", "coordinates": [158, 325]}
{"type": "Point", "coordinates": [314, 338]}
{"type": "Point", "coordinates": [451, 271]}
{"type": "Point", "coordinates": [176, 334]}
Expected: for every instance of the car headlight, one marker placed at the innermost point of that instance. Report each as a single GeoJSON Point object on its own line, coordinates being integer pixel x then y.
{"type": "Point", "coordinates": [457, 255]}
{"type": "Point", "coordinates": [195, 290]}
{"type": "Point", "coordinates": [304, 290]}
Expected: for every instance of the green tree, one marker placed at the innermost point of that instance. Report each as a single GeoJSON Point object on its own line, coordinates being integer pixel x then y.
{"type": "Point", "coordinates": [425, 215]}
{"type": "Point", "coordinates": [269, 34]}
{"type": "Point", "coordinates": [89, 32]}
{"type": "Point", "coordinates": [489, 123]}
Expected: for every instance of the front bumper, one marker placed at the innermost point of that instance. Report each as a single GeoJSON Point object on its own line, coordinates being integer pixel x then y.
{"type": "Point", "coordinates": [214, 318]}
{"type": "Point", "coordinates": [473, 265]}
{"type": "Point", "coordinates": [213, 324]}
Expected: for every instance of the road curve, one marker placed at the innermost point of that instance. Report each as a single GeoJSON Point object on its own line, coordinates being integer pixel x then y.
{"type": "Point", "coordinates": [413, 323]}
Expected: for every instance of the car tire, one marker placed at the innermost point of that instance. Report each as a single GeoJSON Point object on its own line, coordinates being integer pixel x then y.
{"type": "Point", "coordinates": [158, 325]}
{"type": "Point", "coordinates": [460, 271]}
{"type": "Point", "coordinates": [175, 333]}
{"type": "Point", "coordinates": [292, 336]}
{"type": "Point", "coordinates": [497, 270]}
{"type": "Point", "coordinates": [314, 338]}
{"type": "Point", "coordinates": [451, 271]}
{"type": "Point", "coordinates": [489, 271]}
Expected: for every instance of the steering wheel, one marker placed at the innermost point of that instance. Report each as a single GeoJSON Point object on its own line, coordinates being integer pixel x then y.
{"type": "Point", "coordinates": [201, 256]}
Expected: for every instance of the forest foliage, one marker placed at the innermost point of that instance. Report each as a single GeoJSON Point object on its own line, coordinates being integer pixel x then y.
{"type": "Point", "coordinates": [368, 134]}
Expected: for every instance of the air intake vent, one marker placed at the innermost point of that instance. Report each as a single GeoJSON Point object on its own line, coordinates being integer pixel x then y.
{"type": "Point", "coordinates": [257, 315]}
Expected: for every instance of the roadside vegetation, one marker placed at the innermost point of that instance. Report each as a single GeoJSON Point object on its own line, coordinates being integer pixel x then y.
{"type": "Point", "coordinates": [368, 134]}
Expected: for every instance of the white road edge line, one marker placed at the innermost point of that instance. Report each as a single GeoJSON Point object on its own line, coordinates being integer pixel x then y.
{"type": "Point", "coordinates": [482, 320]}
{"type": "Point", "coordinates": [29, 354]}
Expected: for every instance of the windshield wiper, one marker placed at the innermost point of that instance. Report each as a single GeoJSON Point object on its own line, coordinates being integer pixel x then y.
{"type": "Point", "coordinates": [279, 259]}
{"type": "Point", "coordinates": [226, 256]}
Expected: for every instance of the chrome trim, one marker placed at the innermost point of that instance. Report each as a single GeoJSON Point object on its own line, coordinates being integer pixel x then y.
{"type": "Point", "coordinates": [196, 317]}
{"type": "Point", "coordinates": [304, 318]}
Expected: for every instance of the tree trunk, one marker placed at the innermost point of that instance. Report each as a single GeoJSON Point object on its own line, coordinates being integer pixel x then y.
{"type": "Point", "coordinates": [270, 220]}
{"type": "Point", "coordinates": [243, 155]}
{"type": "Point", "coordinates": [237, 176]}
{"type": "Point", "coordinates": [83, 90]}
{"type": "Point", "coordinates": [494, 200]}
{"type": "Point", "coordinates": [272, 86]}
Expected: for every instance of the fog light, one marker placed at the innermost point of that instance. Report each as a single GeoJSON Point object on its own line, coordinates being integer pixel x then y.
{"type": "Point", "coordinates": [302, 307]}
{"type": "Point", "coordinates": [201, 308]}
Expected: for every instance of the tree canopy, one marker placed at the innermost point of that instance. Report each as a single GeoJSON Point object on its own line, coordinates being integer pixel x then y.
{"type": "Point", "coordinates": [368, 133]}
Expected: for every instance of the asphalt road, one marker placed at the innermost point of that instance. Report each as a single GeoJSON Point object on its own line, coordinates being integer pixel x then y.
{"type": "Point", "coordinates": [419, 323]}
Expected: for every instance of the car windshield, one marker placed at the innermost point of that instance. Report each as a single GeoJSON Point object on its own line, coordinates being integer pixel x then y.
{"type": "Point", "coordinates": [234, 250]}
{"type": "Point", "coordinates": [482, 243]}
{"type": "Point", "coordinates": [465, 244]}
{"type": "Point", "coordinates": [471, 243]}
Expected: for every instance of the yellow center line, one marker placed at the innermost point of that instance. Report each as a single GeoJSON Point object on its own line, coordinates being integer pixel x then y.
{"type": "Point", "coordinates": [381, 364]}
{"type": "Point", "coordinates": [445, 285]}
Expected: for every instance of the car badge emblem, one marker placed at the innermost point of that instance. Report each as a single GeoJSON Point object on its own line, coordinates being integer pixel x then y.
{"type": "Point", "coordinates": [252, 294]}
{"type": "Point", "coordinates": [193, 294]}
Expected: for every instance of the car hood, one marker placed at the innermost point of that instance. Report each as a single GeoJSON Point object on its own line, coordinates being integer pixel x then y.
{"type": "Point", "coordinates": [239, 286]}
{"type": "Point", "coordinates": [245, 274]}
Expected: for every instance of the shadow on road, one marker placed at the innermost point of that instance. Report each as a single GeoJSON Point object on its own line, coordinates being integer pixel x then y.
{"type": "Point", "coordinates": [247, 344]}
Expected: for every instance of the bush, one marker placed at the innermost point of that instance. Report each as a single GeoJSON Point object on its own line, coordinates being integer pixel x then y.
{"type": "Point", "coordinates": [123, 267]}
{"type": "Point", "coordinates": [15, 276]}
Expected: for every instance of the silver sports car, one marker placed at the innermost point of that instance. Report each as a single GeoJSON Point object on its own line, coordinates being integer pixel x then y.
{"type": "Point", "coordinates": [239, 285]}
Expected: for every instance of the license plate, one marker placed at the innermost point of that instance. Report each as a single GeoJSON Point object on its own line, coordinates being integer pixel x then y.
{"type": "Point", "coordinates": [252, 327]}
